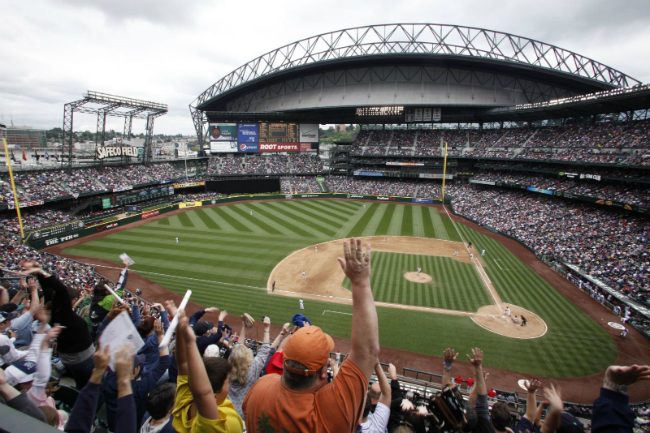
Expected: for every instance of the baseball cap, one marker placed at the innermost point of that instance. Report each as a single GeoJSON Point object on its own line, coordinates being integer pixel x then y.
{"type": "Point", "coordinates": [309, 346]}
{"type": "Point", "coordinates": [6, 316]}
{"type": "Point", "coordinates": [9, 307]}
{"type": "Point", "coordinates": [570, 424]}
{"type": "Point", "coordinates": [20, 372]}
{"type": "Point", "coordinates": [202, 327]}
{"type": "Point", "coordinates": [275, 366]}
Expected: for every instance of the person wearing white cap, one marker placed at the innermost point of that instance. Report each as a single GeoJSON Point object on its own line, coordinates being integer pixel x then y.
{"type": "Point", "coordinates": [12, 354]}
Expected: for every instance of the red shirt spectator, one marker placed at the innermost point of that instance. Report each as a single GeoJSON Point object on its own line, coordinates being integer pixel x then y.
{"type": "Point", "coordinates": [470, 382]}
{"type": "Point", "coordinates": [459, 380]}
{"type": "Point", "coordinates": [492, 393]}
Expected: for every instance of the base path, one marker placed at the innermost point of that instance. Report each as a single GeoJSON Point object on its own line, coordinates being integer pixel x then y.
{"type": "Point", "coordinates": [323, 280]}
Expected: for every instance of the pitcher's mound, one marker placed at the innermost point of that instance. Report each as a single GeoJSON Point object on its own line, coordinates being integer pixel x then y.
{"type": "Point", "coordinates": [493, 319]}
{"type": "Point", "coordinates": [422, 278]}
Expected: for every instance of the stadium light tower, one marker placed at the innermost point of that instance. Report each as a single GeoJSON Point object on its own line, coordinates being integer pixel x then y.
{"type": "Point", "coordinates": [109, 105]}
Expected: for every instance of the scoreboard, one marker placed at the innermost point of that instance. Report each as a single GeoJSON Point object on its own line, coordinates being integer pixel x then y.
{"type": "Point", "coordinates": [279, 133]}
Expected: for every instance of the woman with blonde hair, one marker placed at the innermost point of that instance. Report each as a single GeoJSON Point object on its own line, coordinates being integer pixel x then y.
{"type": "Point", "coordinates": [246, 369]}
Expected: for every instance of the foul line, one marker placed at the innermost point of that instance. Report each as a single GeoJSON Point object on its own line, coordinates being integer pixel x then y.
{"type": "Point", "coordinates": [337, 312]}
{"type": "Point", "coordinates": [495, 261]}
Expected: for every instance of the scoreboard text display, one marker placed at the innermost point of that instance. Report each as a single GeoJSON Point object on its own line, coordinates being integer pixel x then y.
{"type": "Point", "coordinates": [223, 132]}
{"type": "Point", "coordinates": [279, 133]}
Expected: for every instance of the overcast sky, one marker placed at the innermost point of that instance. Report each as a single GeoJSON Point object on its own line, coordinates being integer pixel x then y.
{"type": "Point", "coordinates": [169, 51]}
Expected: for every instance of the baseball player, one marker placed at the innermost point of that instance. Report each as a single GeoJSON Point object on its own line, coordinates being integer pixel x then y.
{"type": "Point", "coordinates": [624, 333]}
{"type": "Point", "coordinates": [176, 240]}
{"type": "Point", "coordinates": [523, 320]}
{"type": "Point", "coordinates": [273, 287]}
{"type": "Point", "coordinates": [471, 256]}
{"type": "Point", "coordinates": [419, 270]}
{"type": "Point", "coordinates": [302, 305]}
{"type": "Point", "coordinates": [304, 275]}
{"type": "Point", "coordinates": [364, 206]}
{"type": "Point", "coordinates": [482, 253]}
{"type": "Point", "coordinates": [316, 248]}
{"type": "Point", "coordinates": [516, 320]}
{"type": "Point", "coordinates": [385, 239]}
{"type": "Point", "coordinates": [456, 253]}
{"type": "Point", "coordinates": [508, 311]}
{"type": "Point", "coordinates": [251, 213]}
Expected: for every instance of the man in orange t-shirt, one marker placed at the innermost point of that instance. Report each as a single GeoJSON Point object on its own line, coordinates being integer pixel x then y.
{"type": "Point", "coordinates": [301, 400]}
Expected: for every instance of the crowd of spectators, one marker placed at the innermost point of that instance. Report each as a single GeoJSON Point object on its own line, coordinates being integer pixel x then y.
{"type": "Point", "coordinates": [391, 187]}
{"type": "Point", "coordinates": [628, 193]}
{"type": "Point", "coordinates": [607, 142]}
{"type": "Point", "coordinates": [606, 244]}
{"type": "Point", "coordinates": [58, 183]}
{"type": "Point", "coordinates": [178, 372]}
{"type": "Point", "coordinates": [266, 164]}
{"type": "Point", "coordinates": [299, 184]}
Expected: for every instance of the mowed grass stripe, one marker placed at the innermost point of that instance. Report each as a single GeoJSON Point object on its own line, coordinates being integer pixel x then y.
{"type": "Point", "coordinates": [371, 228]}
{"type": "Point", "coordinates": [281, 219]}
{"type": "Point", "coordinates": [209, 222]}
{"type": "Point", "coordinates": [384, 224]}
{"type": "Point", "coordinates": [418, 224]}
{"type": "Point", "coordinates": [216, 236]}
{"type": "Point", "coordinates": [296, 216]}
{"type": "Point", "coordinates": [395, 226]}
{"type": "Point", "coordinates": [438, 225]}
{"type": "Point", "coordinates": [233, 222]}
{"type": "Point", "coordinates": [184, 219]}
{"type": "Point", "coordinates": [325, 222]}
{"type": "Point", "coordinates": [407, 221]}
{"type": "Point", "coordinates": [323, 209]}
{"type": "Point", "coordinates": [163, 222]}
{"type": "Point", "coordinates": [347, 207]}
{"type": "Point", "coordinates": [193, 245]}
{"type": "Point", "coordinates": [452, 233]}
{"type": "Point", "coordinates": [361, 224]}
{"type": "Point", "coordinates": [427, 224]}
{"type": "Point", "coordinates": [243, 212]}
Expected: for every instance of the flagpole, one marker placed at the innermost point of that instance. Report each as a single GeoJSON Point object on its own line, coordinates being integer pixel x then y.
{"type": "Point", "coordinates": [13, 188]}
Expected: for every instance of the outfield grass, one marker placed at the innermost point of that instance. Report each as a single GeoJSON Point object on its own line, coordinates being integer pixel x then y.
{"type": "Point", "coordinates": [225, 256]}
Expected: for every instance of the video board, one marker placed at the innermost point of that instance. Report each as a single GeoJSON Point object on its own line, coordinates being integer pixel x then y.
{"type": "Point", "coordinates": [279, 133]}
{"type": "Point", "coordinates": [223, 132]}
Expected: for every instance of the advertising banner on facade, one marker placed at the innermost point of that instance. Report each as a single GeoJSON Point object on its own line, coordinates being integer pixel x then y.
{"type": "Point", "coordinates": [223, 146]}
{"type": "Point", "coordinates": [305, 147]}
{"type": "Point", "coordinates": [279, 147]}
{"type": "Point", "coordinates": [247, 133]}
{"type": "Point", "coordinates": [188, 184]}
{"type": "Point", "coordinates": [223, 132]}
{"type": "Point", "coordinates": [189, 204]}
{"type": "Point", "coordinates": [308, 133]}
{"type": "Point", "coordinates": [248, 147]}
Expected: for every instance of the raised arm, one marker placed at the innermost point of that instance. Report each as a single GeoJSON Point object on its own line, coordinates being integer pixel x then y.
{"type": "Point", "coordinates": [281, 336]}
{"type": "Point", "coordinates": [531, 402]}
{"type": "Point", "coordinates": [384, 386]}
{"type": "Point", "coordinates": [553, 419]}
{"type": "Point", "coordinates": [181, 359]}
{"type": "Point", "coordinates": [206, 404]}
{"type": "Point", "coordinates": [365, 330]}
{"type": "Point", "coordinates": [267, 330]}
{"type": "Point", "coordinates": [33, 291]}
{"type": "Point", "coordinates": [450, 356]}
{"type": "Point", "coordinates": [477, 362]}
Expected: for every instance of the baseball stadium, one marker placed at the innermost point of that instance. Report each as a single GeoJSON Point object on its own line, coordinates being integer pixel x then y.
{"type": "Point", "coordinates": [498, 184]}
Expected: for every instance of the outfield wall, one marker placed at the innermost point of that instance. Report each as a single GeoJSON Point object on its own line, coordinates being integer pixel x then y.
{"type": "Point", "coordinates": [66, 232]}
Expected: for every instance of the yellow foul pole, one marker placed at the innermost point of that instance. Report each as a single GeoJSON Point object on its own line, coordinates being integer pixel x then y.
{"type": "Point", "coordinates": [444, 175]}
{"type": "Point", "coordinates": [13, 188]}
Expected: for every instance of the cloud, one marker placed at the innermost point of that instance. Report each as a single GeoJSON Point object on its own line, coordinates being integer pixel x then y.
{"type": "Point", "coordinates": [170, 51]}
{"type": "Point", "coordinates": [167, 12]}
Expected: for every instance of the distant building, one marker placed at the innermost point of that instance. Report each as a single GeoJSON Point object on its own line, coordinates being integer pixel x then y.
{"type": "Point", "coordinates": [3, 131]}
{"type": "Point", "coordinates": [26, 137]}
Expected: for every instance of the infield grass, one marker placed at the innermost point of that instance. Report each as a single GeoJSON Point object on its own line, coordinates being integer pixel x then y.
{"type": "Point", "coordinates": [225, 256]}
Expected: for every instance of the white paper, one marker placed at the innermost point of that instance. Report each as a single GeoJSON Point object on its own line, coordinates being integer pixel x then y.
{"type": "Point", "coordinates": [125, 258]}
{"type": "Point", "coordinates": [119, 332]}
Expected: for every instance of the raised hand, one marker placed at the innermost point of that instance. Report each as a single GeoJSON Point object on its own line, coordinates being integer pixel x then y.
{"type": "Point", "coordinates": [355, 265]}
{"type": "Point", "coordinates": [286, 328]}
{"type": "Point", "coordinates": [124, 362]}
{"type": "Point", "coordinates": [171, 308]}
{"type": "Point", "coordinates": [533, 385]}
{"type": "Point", "coordinates": [222, 315]}
{"type": "Point", "coordinates": [211, 310]}
{"type": "Point", "coordinates": [450, 356]}
{"type": "Point", "coordinates": [158, 329]}
{"type": "Point", "coordinates": [477, 360]}
{"type": "Point", "coordinates": [627, 375]}
{"type": "Point", "coordinates": [267, 323]}
{"type": "Point", "coordinates": [554, 398]}
{"type": "Point", "coordinates": [52, 333]}
{"type": "Point", "coordinates": [392, 371]}
{"type": "Point", "coordinates": [102, 358]}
